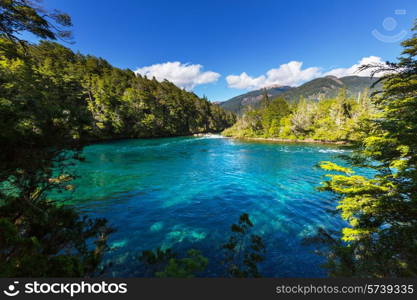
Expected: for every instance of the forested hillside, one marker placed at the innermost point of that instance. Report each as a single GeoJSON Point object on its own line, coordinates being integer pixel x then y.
{"type": "Point", "coordinates": [112, 103]}
{"type": "Point", "coordinates": [239, 103]}
{"type": "Point", "coordinates": [334, 119]}
{"type": "Point", "coordinates": [329, 86]}
{"type": "Point", "coordinates": [52, 103]}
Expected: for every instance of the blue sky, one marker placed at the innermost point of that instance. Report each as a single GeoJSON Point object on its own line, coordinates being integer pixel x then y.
{"type": "Point", "coordinates": [224, 48]}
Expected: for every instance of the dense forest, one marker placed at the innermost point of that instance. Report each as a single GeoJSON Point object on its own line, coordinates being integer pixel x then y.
{"type": "Point", "coordinates": [109, 102]}
{"type": "Point", "coordinates": [381, 210]}
{"type": "Point", "coordinates": [334, 119]}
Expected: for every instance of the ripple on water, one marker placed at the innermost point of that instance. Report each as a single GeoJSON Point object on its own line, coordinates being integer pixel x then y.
{"type": "Point", "coordinates": [186, 192]}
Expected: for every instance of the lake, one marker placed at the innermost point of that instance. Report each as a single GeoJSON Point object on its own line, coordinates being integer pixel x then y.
{"type": "Point", "coordinates": [186, 192]}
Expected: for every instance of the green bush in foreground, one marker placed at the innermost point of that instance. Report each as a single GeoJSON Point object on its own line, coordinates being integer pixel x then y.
{"type": "Point", "coordinates": [381, 239]}
{"type": "Point", "coordinates": [52, 103]}
{"type": "Point", "coordinates": [41, 125]}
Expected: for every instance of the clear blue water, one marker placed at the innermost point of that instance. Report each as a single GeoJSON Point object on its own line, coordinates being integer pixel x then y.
{"type": "Point", "coordinates": [186, 192]}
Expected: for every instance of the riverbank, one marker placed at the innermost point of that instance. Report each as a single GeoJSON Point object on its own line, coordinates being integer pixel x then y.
{"type": "Point", "coordinates": [280, 140]}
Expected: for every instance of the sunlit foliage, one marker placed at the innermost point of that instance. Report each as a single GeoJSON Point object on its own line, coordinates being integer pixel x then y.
{"type": "Point", "coordinates": [336, 119]}
{"type": "Point", "coordinates": [381, 239]}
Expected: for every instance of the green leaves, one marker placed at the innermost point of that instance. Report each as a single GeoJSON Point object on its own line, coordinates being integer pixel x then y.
{"type": "Point", "coordinates": [52, 103]}
{"type": "Point", "coordinates": [165, 263]}
{"type": "Point", "coordinates": [381, 240]}
{"type": "Point", "coordinates": [244, 250]}
{"type": "Point", "coordinates": [336, 119]}
{"type": "Point", "coordinates": [46, 240]}
{"type": "Point", "coordinates": [20, 15]}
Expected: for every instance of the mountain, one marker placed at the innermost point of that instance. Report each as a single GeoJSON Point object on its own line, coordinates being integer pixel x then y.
{"type": "Point", "coordinates": [316, 89]}
{"type": "Point", "coordinates": [238, 103]}
{"type": "Point", "coordinates": [328, 87]}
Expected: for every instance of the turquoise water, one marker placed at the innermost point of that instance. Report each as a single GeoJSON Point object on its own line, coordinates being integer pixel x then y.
{"type": "Point", "coordinates": [186, 192]}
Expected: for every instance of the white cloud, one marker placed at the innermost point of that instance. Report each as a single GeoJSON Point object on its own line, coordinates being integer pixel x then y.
{"type": "Point", "coordinates": [293, 74]}
{"type": "Point", "coordinates": [183, 75]}
{"type": "Point", "coordinates": [286, 74]}
{"type": "Point", "coordinates": [354, 70]}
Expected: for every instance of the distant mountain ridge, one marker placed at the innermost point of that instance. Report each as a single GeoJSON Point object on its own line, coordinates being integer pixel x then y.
{"type": "Point", "coordinates": [316, 89]}
{"type": "Point", "coordinates": [237, 104]}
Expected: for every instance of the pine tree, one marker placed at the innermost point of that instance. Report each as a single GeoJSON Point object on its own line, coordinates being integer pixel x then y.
{"type": "Point", "coordinates": [381, 239]}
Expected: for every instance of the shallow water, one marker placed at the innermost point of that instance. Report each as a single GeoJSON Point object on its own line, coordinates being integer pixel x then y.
{"type": "Point", "coordinates": [186, 192]}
